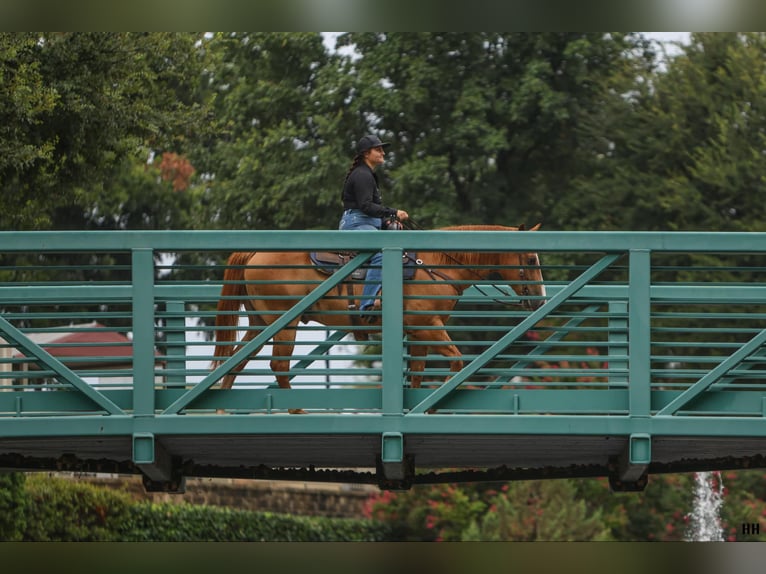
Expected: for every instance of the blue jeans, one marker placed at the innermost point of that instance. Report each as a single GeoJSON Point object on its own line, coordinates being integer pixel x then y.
{"type": "Point", "coordinates": [355, 220]}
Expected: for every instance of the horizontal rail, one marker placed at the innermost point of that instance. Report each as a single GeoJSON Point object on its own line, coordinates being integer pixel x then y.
{"type": "Point", "coordinates": [540, 241]}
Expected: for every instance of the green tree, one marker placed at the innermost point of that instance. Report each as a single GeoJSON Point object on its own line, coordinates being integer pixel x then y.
{"type": "Point", "coordinates": [544, 510]}
{"type": "Point", "coordinates": [485, 126]}
{"type": "Point", "coordinates": [283, 137]}
{"type": "Point", "coordinates": [659, 513]}
{"type": "Point", "coordinates": [25, 102]}
{"type": "Point", "coordinates": [75, 106]}
{"type": "Point", "coordinates": [92, 135]}
{"type": "Point", "coordinates": [684, 151]}
{"type": "Point", "coordinates": [529, 510]}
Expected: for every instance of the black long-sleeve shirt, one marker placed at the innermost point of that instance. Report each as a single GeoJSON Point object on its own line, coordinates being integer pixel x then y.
{"type": "Point", "coordinates": [361, 192]}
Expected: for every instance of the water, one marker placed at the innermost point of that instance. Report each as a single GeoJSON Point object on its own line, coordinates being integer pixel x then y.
{"type": "Point", "coordinates": [705, 518]}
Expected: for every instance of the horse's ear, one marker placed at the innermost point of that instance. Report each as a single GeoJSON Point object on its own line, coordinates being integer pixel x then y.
{"type": "Point", "coordinates": [536, 227]}
{"type": "Point", "coordinates": [521, 227]}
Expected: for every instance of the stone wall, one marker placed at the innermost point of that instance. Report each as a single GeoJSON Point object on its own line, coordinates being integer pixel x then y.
{"type": "Point", "coordinates": [287, 497]}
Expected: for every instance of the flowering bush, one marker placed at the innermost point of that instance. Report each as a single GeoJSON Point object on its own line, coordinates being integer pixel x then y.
{"type": "Point", "coordinates": [429, 513]}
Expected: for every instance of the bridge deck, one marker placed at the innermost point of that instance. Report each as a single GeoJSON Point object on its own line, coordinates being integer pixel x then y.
{"type": "Point", "coordinates": [353, 458]}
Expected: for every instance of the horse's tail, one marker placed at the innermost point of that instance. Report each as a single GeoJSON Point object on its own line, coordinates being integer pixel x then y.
{"type": "Point", "coordinates": [227, 318]}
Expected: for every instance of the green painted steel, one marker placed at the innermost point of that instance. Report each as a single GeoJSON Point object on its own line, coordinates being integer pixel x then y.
{"type": "Point", "coordinates": [642, 338]}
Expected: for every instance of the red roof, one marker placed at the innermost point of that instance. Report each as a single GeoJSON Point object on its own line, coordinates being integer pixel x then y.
{"type": "Point", "coordinates": [87, 340]}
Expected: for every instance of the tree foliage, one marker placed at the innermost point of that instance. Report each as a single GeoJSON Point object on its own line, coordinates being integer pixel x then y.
{"type": "Point", "coordinates": [486, 126]}
{"type": "Point", "coordinates": [279, 153]}
{"type": "Point", "coordinates": [75, 106]}
{"type": "Point", "coordinates": [13, 506]}
{"type": "Point", "coordinates": [686, 151]}
{"type": "Point", "coordinates": [533, 511]}
{"type": "Point", "coordinates": [567, 510]}
{"type": "Point", "coordinates": [577, 130]}
{"type": "Point", "coordinates": [45, 508]}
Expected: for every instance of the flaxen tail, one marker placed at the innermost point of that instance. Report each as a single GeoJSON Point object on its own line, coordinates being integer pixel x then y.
{"type": "Point", "coordinates": [228, 306]}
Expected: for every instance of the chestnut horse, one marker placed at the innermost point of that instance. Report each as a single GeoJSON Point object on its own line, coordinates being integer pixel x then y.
{"type": "Point", "coordinates": [264, 283]}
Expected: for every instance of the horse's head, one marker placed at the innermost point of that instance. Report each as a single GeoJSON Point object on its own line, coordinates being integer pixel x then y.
{"type": "Point", "coordinates": [529, 284]}
{"type": "Point", "coordinates": [522, 271]}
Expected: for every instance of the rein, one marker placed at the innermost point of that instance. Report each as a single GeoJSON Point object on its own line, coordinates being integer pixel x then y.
{"type": "Point", "coordinates": [412, 225]}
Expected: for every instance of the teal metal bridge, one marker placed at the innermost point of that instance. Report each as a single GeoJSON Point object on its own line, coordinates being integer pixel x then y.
{"type": "Point", "coordinates": [647, 356]}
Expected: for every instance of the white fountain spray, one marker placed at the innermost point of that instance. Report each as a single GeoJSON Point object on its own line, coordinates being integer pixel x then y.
{"type": "Point", "coordinates": [705, 519]}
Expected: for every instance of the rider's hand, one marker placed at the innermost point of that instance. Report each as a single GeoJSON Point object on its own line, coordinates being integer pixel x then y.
{"type": "Point", "coordinates": [402, 215]}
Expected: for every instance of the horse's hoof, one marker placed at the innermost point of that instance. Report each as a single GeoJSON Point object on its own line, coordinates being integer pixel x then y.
{"type": "Point", "coordinates": [296, 411]}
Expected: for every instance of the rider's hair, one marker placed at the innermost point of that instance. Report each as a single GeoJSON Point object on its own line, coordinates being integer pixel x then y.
{"type": "Point", "coordinates": [358, 158]}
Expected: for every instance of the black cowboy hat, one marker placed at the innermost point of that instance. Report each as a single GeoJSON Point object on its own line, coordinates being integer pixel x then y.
{"type": "Point", "coordinates": [369, 142]}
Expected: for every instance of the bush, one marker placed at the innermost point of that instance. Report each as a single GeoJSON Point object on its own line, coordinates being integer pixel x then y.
{"type": "Point", "coordinates": [12, 506]}
{"type": "Point", "coordinates": [66, 511]}
{"type": "Point", "coordinates": [169, 522]}
{"type": "Point", "coordinates": [63, 510]}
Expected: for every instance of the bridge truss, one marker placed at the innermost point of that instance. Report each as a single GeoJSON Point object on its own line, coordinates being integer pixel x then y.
{"type": "Point", "coordinates": [647, 356]}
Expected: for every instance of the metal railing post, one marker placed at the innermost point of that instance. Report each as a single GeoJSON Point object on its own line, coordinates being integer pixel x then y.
{"type": "Point", "coordinates": [639, 335]}
{"type": "Point", "coordinates": [143, 331]}
{"type": "Point", "coordinates": [393, 332]}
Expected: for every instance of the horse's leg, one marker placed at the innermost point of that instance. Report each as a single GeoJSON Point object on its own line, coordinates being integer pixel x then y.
{"type": "Point", "coordinates": [444, 346]}
{"type": "Point", "coordinates": [282, 350]}
{"type": "Point", "coordinates": [256, 326]}
{"type": "Point", "coordinates": [437, 340]}
{"type": "Point", "coordinates": [417, 364]}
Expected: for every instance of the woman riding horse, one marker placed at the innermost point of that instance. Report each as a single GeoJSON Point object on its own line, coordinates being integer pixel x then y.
{"type": "Point", "coordinates": [363, 209]}
{"type": "Point", "coordinates": [269, 284]}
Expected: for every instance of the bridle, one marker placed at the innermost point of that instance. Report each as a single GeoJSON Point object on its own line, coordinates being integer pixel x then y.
{"type": "Point", "coordinates": [525, 292]}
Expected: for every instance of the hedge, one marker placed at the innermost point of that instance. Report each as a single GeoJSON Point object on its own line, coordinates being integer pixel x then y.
{"type": "Point", "coordinates": [64, 510]}
{"type": "Point", "coordinates": [184, 523]}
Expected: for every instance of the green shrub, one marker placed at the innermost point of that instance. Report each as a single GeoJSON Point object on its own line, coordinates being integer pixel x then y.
{"type": "Point", "coordinates": [67, 511]}
{"type": "Point", "coordinates": [64, 510]}
{"type": "Point", "coordinates": [12, 506]}
{"type": "Point", "coordinates": [169, 522]}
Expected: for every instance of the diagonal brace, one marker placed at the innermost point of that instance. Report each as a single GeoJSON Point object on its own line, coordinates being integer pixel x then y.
{"type": "Point", "coordinates": [538, 351]}
{"type": "Point", "coordinates": [552, 304]}
{"type": "Point", "coordinates": [245, 352]}
{"type": "Point", "coordinates": [715, 375]}
{"type": "Point", "coordinates": [35, 350]}
{"type": "Point", "coordinates": [323, 348]}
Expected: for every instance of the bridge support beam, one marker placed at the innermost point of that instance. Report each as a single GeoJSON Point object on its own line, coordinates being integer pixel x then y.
{"type": "Point", "coordinates": [395, 469]}
{"type": "Point", "coordinates": [155, 464]}
{"type": "Point", "coordinates": [633, 464]}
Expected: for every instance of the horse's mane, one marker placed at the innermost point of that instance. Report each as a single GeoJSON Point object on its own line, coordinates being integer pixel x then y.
{"type": "Point", "coordinates": [471, 258]}
{"type": "Point", "coordinates": [478, 228]}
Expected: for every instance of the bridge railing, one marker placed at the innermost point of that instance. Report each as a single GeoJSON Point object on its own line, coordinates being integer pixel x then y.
{"type": "Point", "coordinates": [642, 343]}
{"type": "Point", "coordinates": [636, 324]}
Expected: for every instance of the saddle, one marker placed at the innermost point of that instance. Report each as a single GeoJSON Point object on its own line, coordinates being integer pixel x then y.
{"type": "Point", "coordinates": [328, 262]}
